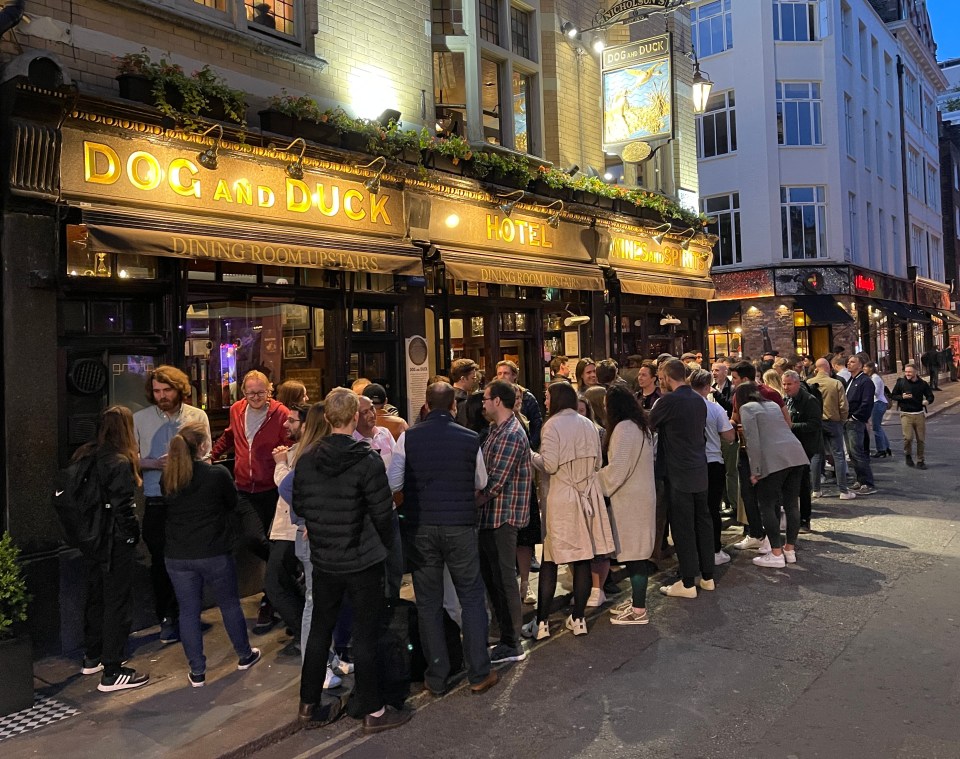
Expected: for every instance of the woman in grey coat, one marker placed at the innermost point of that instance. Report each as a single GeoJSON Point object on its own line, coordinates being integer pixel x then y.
{"type": "Point", "coordinates": [777, 460]}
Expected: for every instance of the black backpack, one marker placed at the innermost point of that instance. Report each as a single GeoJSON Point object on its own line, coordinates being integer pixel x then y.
{"type": "Point", "coordinates": [76, 499]}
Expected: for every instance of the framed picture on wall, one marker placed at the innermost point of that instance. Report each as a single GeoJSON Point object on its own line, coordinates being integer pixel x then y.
{"type": "Point", "coordinates": [318, 336]}
{"type": "Point", "coordinates": [295, 347]}
{"type": "Point", "coordinates": [294, 317]}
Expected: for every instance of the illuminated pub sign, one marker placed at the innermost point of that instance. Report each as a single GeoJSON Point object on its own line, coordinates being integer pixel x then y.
{"type": "Point", "coordinates": [253, 186]}
{"type": "Point", "coordinates": [637, 84]}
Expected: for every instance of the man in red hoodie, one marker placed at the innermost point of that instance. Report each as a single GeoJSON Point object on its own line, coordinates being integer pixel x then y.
{"type": "Point", "coordinates": [256, 428]}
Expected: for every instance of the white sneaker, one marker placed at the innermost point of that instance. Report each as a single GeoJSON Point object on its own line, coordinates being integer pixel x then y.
{"type": "Point", "coordinates": [677, 590]}
{"type": "Point", "coordinates": [535, 630]}
{"type": "Point", "coordinates": [814, 495]}
{"type": "Point", "coordinates": [707, 584]}
{"type": "Point", "coordinates": [748, 543]}
{"type": "Point", "coordinates": [720, 557]}
{"type": "Point", "coordinates": [340, 666]}
{"type": "Point", "coordinates": [848, 496]}
{"type": "Point", "coordinates": [597, 597]}
{"type": "Point", "coordinates": [331, 680]}
{"type": "Point", "coordinates": [790, 556]}
{"type": "Point", "coordinates": [770, 560]}
{"type": "Point", "coordinates": [530, 598]}
{"type": "Point", "coordinates": [764, 547]}
{"type": "Point", "coordinates": [578, 626]}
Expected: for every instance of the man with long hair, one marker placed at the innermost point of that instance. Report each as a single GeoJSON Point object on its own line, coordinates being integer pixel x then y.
{"type": "Point", "coordinates": [167, 390]}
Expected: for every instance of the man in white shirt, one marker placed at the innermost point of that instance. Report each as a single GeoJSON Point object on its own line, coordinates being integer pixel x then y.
{"type": "Point", "coordinates": [718, 430]}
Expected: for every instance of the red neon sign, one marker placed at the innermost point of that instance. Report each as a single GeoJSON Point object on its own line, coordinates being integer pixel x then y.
{"type": "Point", "coordinates": [862, 282]}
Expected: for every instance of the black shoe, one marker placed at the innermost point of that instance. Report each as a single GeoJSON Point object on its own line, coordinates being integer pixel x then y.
{"type": "Point", "coordinates": [805, 528]}
{"type": "Point", "coordinates": [879, 455]}
{"type": "Point", "coordinates": [248, 661]}
{"type": "Point", "coordinates": [312, 716]}
{"type": "Point", "coordinates": [390, 719]}
{"type": "Point", "coordinates": [534, 565]}
{"type": "Point", "coordinates": [909, 460]}
{"type": "Point", "coordinates": [291, 649]}
{"type": "Point", "coordinates": [124, 679]}
{"type": "Point", "coordinates": [91, 666]}
{"type": "Point", "coordinates": [197, 681]}
{"type": "Point", "coordinates": [921, 464]}
{"type": "Point", "coordinates": [266, 619]}
{"type": "Point", "coordinates": [610, 587]}
{"type": "Point", "coordinates": [169, 631]}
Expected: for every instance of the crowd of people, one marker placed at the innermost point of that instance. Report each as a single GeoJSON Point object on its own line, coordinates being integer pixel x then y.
{"type": "Point", "coordinates": [340, 498]}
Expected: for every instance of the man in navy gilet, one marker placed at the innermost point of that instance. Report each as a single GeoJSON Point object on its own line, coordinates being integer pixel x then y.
{"type": "Point", "coordinates": [439, 467]}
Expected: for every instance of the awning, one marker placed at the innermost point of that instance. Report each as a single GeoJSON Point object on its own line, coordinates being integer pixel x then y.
{"type": "Point", "coordinates": [641, 283]}
{"type": "Point", "coordinates": [822, 309]}
{"type": "Point", "coordinates": [523, 271]}
{"type": "Point", "coordinates": [904, 311]}
{"type": "Point", "coordinates": [948, 316]}
{"type": "Point", "coordinates": [720, 312]}
{"type": "Point", "coordinates": [186, 237]}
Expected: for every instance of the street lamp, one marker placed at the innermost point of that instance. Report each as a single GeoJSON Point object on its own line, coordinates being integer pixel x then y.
{"type": "Point", "coordinates": [701, 87]}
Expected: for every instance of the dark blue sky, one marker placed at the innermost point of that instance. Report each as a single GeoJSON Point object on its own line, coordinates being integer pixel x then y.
{"type": "Point", "coordinates": [945, 18]}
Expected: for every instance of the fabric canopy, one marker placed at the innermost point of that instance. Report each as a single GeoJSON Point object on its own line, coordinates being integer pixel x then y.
{"type": "Point", "coordinates": [822, 309]}
{"type": "Point", "coordinates": [523, 271]}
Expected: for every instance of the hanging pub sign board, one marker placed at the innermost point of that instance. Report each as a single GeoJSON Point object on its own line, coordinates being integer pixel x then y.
{"type": "Point", "coordinates": [637, 93]}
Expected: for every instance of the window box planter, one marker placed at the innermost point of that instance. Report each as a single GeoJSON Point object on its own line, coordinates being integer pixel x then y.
{"type": "Point", "coordinates": [313, 131]}
{"type": "Point", "coordinates": [561, 193]}
{"type": "Point", "coordinates": [356, 141]}
{"type": "Point", "coordinates": [136, 87]}
{"type": "Point", "coordinates": [440, 162]}
{"type": "Point", "coordinates": [16, 663]}
{"type": "Point", "coordinates": [624, 206]}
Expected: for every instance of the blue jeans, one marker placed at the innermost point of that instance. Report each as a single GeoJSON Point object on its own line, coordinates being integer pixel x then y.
{"type": "Point", "coordinates": [861, 462]}
{"type": "Point", "coordinates": [219, 574]}
{"type": "Point", "coordinates": [833, 439]}
{"type": "Point", "coordinates": [431, 549]}
{"type": "Point", "coordinates": [876, 419]}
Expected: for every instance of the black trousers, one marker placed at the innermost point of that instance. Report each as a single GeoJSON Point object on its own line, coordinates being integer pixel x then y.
{"type": "Point", "coordinates": [281, 584]}
{"type": "Point", "coordinates": [498, 567]}
{"type": "Point", "coordinates": [717, 482]}
{"type": "Point", "coordinates": [692, 529]}
{"type": "Point", "coordinates": [749, 495]}
{"type": "Point", "coordinates": [256, 512]}
{"type": "Point", "coordinates": [108, 613]}
{"type": "Point", "coordinates": [154, 535]}
{"type": "Point", "coordinates": [806, 505]}
{"type": "Point", "coordinates": [365, 590]}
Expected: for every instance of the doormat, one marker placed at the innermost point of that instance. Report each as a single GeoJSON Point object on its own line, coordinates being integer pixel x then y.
{"type": "Point", "coordinates": [44, 711]}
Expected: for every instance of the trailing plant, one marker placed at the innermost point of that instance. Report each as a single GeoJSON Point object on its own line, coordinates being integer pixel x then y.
{"type": "Point", "coordinates": [213, 86]}
{"type": "Point", "coordinates": [454, 147]}
{"type": "Point", "coordinates": [555, 178]}
{"type": "Point", "coordinates": [501, 166]}
{"type": "Point", "coordinates": [135, 64]}
{"type": "Point", "coordinates": [397, 141]}
{"type": "Point", "coordinates": [595, 185]}
{"type": "Point", "coordinates": [13, 588]}
{"type": "Point", "coordinates": [303, 107]}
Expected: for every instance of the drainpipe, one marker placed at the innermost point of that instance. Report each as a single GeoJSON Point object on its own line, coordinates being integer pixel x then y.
{"type": "Point", "coordinates": [11, 15]}
{"type": "Point", "coordinates": [903, 166]}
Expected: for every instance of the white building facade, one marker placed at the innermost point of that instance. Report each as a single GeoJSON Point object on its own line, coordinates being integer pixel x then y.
{"type": "Point", "coordinates": [827, 199]}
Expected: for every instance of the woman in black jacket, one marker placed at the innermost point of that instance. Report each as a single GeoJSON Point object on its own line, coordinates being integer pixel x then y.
{"type": "Point", "coordinates": [108, 614]}
{"type": "Point", "coordinates": [199, 499]}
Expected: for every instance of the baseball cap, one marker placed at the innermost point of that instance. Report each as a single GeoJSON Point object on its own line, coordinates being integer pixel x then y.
{"type": "Point", "coordinates": [376, 393]}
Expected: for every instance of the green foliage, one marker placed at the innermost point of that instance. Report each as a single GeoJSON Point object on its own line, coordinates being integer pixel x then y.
{"type": "Point", "coordinates": [304, 108]}
{"type": "Point", "coordinates": [454, 147]}
{"type": "Point", "coordinates": [490, 165]}
{"type": "Point", "coordinates": [555, 178]}
{"type": "Point", "coordinates": [138, 64]}
{"type": "Point", "coordinates": [214, 86]}
{"type": "Point", "coordinates": [13, 587]}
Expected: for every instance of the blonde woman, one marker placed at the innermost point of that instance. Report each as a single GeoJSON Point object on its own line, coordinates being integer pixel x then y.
{"type": "Point", "coordinates": [771, 378]}
{"type": "Point", "coordinates": [200, 497]}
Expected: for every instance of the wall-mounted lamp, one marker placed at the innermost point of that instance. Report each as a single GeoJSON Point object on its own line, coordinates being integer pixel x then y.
{"type": "Point", "coordinates": [391, 114]}
{"type": "Point", "coordinates": [373, 184]}
{"type": "Point", "coordinates": [701, 86]}
{"type": "Point", "coordinates": [508, 201]}
{"type": "Point", "coordinates": [208, 157]}
{"type": "Point", "coordinates": [660, 232]}
{"type": "Point", "coordinates": [554, 220]}
{"type": "Point", "coordinates": [599, 42]}
{"type": "Point", "coordinates": [295, 169]}
{"type": "Point", "coordinates": [669, 321]}
{"type": "Point", "coordinates": [569, 29]}
{"type": "Point", "coordinates": [691, 233]}
{"type": "Point", "coordinates": [572, 170]}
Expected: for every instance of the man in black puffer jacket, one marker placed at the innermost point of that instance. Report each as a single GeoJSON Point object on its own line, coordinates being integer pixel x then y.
{"type": "Point", "coordinates": [340, 490]}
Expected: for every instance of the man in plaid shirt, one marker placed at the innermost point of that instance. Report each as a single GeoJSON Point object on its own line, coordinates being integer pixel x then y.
{"type": "Point", "coordinates": [504, 506]}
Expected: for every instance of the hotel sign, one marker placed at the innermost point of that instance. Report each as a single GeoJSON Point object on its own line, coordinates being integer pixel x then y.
{"type": "Point", "coordinates": [117, 169]}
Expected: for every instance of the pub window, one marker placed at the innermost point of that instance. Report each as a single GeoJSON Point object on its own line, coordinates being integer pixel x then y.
{"type": "Point", "coordinates": [490, 21]}
{"type": "Point", "coordinates": [372, 320]}
{"type": "Point", "coordinates": [717, 127]}
{"type": "Point", "coordinates": [490, 97]}
{"type": "Point", "coordinates": [520, 25]}
{"type": "Point", "coordinates": [726, 210]}
{"type": "Point", "coordinates": [278, 15]}
{"type": "Point", "coordinates": [521, 111]}
{"type": "Point", "coordinates": [803, 221]}
{"type": "Point", "coordinates": [135, 266]}
{"type": "Point", "coordinates": [446, 17]}
{"type": "Point", "coordinates": [279, 275]}
{"type": "Point", "coordinates": [226, 339]}
{"type": "Point", "coordinates": [239, 273]}
{"type": "Point", "coordinates": [201, 270]}
{"type": "Point", "coordinates": [84, 262]}
{"type": "Point", "coordinates": [449, 92]}
{"type": "Point", "coordinates": [217, 5]}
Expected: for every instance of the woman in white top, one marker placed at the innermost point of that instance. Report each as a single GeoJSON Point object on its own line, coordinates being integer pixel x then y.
{"type": "Point", "coordinates": [627, 480]}
{"type": "Point", "coordinates": [777, 460]}
{"type": "Point", "coordinates": [575, 519]}
{"type": "Point", "coordinates": [880, 405]}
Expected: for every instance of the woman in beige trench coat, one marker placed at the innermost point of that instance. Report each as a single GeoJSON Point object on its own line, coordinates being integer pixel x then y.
{"type": "Point", "coordinates": [627, 480]}
{"type": "Point", "coordinates": [575, 519]}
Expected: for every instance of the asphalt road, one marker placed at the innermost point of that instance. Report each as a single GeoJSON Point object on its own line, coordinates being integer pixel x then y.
{"type": "Point", "coordinates": [852, 652]}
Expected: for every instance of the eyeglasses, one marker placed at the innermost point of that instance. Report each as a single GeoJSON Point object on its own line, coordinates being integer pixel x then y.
{"type": "Point", "coordinates": [259, 394]}
{"type": "Point", "coordinates": [487, 398]}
